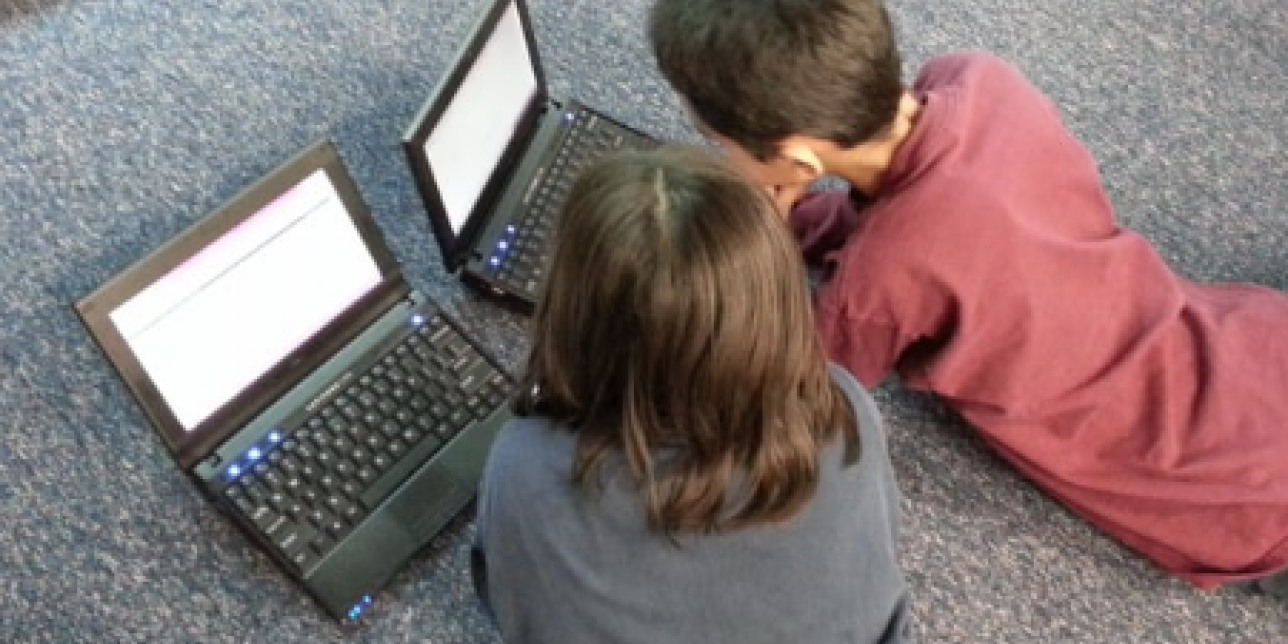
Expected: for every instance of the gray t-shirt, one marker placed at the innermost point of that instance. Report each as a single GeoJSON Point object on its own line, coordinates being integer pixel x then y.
{"type": "Point", "coordinates": [559, 566]}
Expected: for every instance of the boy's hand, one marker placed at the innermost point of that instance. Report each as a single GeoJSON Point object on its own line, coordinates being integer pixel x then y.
{"type": "Point", "coordinates": [786, 196]}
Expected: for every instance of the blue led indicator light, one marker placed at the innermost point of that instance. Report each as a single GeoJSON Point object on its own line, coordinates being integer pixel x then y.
{"type": "Point", "coordinates": [366, 599]}
{"type": "Point", "coordinates": [275, 436]}
{"type": "Point", "coordinates": [417, 319]}
{"type": "Point", "coordinates": [503, 245]}
{"type": "Point", "coordinates": [495, 261]}
{"type": "Point", "coordinates": [510, 229]}
{"type": "Point", "coordinates": [254, 454]}
{"type": "Point", "coordinates": [570, 116]}
{"type": "Point", "coordinates": [234, 471]}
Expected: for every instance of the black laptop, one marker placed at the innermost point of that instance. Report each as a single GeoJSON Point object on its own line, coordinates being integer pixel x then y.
{"type": "Point", "coordinates": [494, 154]}
{"type": "Point", "coordinates": [339, 416]}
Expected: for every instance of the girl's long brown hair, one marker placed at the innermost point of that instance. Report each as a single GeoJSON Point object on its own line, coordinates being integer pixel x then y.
{"type": "Point", "coordinates": [676, 330]}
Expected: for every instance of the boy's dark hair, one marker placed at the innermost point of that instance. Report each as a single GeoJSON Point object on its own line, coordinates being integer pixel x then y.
{"type": "Point", "coordinates": [758, 71]}
{"type": "Point", "coordinates": [676, 336]}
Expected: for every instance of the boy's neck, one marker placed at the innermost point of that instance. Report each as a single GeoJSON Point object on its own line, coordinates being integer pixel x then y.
{"type": "Point", "coordinates": [864, 166]}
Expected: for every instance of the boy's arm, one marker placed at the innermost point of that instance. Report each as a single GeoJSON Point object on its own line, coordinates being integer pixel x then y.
{"type": "Point", "coordinates": [868, 349]}
{"type": "Point", "coordinates": [821, 222]}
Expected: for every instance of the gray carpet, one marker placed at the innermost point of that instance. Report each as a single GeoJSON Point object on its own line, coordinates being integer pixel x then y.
{"type": "Point", "coordinates": [122, 122]}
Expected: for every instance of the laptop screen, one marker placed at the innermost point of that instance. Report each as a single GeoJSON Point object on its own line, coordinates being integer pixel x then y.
{"type": "Point", "coordinates": [207, 329]}
{"type": "Point", "coordinates": [481, 117]}
{"type": "Point", "coordinates": [230, 314]}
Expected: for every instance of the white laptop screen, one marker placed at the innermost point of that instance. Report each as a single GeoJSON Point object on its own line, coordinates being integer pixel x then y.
{"type": "Point", "coordinates": [474, 130]}
{"type": "Point", "coordinates": [210, 327]}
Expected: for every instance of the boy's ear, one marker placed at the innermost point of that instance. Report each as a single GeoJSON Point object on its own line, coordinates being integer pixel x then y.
{"type": "Point", "coordinates": [799, 151]}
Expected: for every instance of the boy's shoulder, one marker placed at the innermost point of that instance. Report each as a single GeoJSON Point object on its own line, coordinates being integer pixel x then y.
{"type": "Point", "coordinates": [970, 69]}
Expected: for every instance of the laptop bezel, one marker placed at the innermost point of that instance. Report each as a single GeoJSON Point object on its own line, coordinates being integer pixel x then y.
{"type": "Point", "coordinates": [457, 249]}
{"type": "Point", "coordinates": [192, 445]}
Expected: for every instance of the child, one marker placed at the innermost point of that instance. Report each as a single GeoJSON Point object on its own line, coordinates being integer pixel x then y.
{"type": "Point", "coordinates": [685, 466]}
{"type": "Point", "coordinates": [977, 256]}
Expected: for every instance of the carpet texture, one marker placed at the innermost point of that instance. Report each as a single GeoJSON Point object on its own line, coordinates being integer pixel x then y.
{"type": "Point", "coordinates": [123, 122]}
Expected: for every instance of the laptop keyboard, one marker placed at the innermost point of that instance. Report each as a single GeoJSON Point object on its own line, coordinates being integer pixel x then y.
{"type": "Point", "coordinates": [310, 485]}
{"type": "Point", "coordinates": [520, 257]}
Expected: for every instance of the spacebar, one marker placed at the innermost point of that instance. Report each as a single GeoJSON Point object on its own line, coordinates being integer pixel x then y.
{"type": "Point", "coordinates": [414, 458]}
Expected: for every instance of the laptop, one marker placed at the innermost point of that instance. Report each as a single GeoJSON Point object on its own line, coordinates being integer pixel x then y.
{"type": "Point", "coordinates": [493, 156]}
{"type": "Point", "coordinates": [338, 415]}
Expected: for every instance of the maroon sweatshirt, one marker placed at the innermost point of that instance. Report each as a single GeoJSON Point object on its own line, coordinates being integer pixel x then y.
{"type": "Point", "coordinates": [990, 271]}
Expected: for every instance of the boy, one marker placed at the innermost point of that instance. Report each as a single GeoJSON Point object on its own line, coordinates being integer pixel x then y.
{"type": "Point", "coordinates": [977, 256]}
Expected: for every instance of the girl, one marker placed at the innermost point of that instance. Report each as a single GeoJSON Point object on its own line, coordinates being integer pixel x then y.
{"type": "Point", "coordinates": [685, 466]}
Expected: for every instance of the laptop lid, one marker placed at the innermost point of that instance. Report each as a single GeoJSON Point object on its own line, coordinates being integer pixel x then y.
{"type": "Point", "coordinates": [475, 126]}
{"type": "Point", "coordinates": [223, 319]}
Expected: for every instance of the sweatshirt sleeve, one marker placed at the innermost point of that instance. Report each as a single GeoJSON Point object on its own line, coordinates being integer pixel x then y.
{"type": "Point", "coordinates": [821, 222]}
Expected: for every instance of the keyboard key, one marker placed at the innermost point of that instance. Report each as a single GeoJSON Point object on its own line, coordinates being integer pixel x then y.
{"type": "Point", "coordinates": [474, 374]}
{"type": "Point", "coordinates": [345, 469]}
{"type": "Point", "coordinates": [308, 472]}
{"type": "Point", "coordinates": [396, 448]}
{"type": "Point", "coordinates": [459, 419]}
{"type": "Point", "coordinates": [289, 465]}
{"type": "Point", "coordinates": [337, 424]}
{"type": "Point", "coordinates": [311, 496]}
{"type": "Point", "coordinates": [304, 558]}
{"type": "Point", "coordinates": [357, 432]}
{"type": "Point", "coordinates": [341, 444]}
{"type": "Point", "coordinates": [352, 512]}
{"type": "Point", "coordinates": [390, 429]}
{"type": "Point", "coordinates": [280, 502]}
{"type": "Point", "coordinates": [322, 543]}
{"type": "Point", "coordinates": [438, 410]}
{"type": "Point", "coordinates": [243, 503]}
{"type": "Point", "coordinates": [255, 490]}
{"type": "Point", "coordinates": [334, 502]}
{"type": "Point", "coordinates": [319, 517]}
{"type": "Point", "coordinates": [272, 479]}
{"type": "Point", "coordinates": [443, 430]}
{"type": "Point", "coordinates": [263, 516]}
{"type": "Point", "coordinates": [337, 528]}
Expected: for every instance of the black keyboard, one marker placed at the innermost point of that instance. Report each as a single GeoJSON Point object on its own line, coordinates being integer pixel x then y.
{"type": "Point", "coordinates": [520, 258]}
{"type": "Point", "coordinates": [311, 483]}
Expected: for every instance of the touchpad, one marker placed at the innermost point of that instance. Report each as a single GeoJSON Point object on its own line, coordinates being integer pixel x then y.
{"type": "Point", "coordinates": [427, 501]}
